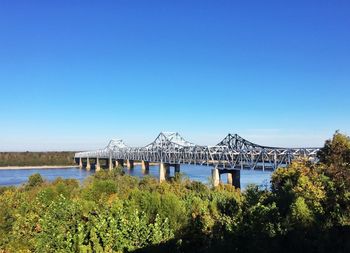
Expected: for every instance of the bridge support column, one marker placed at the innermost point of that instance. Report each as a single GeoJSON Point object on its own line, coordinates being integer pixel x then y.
{"type": "Point", "coordinates": [130, 164]}
{"type": "Point", "coordinates": [80, 163]}
{"type": "Point", "coordinates": [119, 162]}
{"type": "Point", "coordinates": [167, 172]}
{"type": "Point", "coordinates": [236, 174]}
{"type": "Point", "coordinates": [230, 178]}
{"type": "Point", "coordinates": [177, 170]}
{"type": "Point", "coordinates": [88, 166]}
{"type": "Point", "coordinates": [233, 177]}
{"type": "Point", "coordinates": [163, 169]}
{"type": "Point", "coordinates": [110, 163]}
{"type": "Point", "coordinates": [97, 164]}
{"type": "Point", "coordinates": [144, 166]}
{"type": "Point", "coordinates": [215, 177]}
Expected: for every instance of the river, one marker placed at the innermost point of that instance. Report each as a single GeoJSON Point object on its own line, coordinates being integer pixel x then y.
{"type": "Point", "coordinates": [193, 172]}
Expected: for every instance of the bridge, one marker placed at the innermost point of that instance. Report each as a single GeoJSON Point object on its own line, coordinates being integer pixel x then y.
{"type": "Point", "coordinates": [169, 149]}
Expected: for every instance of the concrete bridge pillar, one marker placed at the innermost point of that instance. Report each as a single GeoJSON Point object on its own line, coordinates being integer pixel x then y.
{"type": "Point", "coordinates": [230, 178]}
{"type": "Point", "coordinates": [80, 163]}
{"type": "Point", "coordinates": [236, 174]}
{"type": "Point", "coordinates": [177, 170]}
{"type": "Point", "coordinates": [233, 177]}
{"type": "Point", "coordinates": [215, 176]}
{"type": "Point", "coordinates": [119, 162]}
{"type": "Point", "coordinates": [163, 171]}
{"type": "Point", "coordinates": [144, 166]}
{"type": "Point", "coordinates": [130, 164]}
{"type": "Point", "coordinates": [88, 166]}
{"type": "Point", "coordinates": [110, 163]}
{"type": "Point", "coordinates": [97, 164]}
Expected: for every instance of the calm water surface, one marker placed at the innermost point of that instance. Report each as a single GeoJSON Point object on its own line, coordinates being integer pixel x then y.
{"type": "Point", "coordinates": [18, 177]}
{"type": "Point", "coordinates": [193, 172]}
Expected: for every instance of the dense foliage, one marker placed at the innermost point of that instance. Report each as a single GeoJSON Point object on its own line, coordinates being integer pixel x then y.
{"type": "Point", "coordinates": [306, 209]}
{"type": "Point", "coordinates": [36, 158]}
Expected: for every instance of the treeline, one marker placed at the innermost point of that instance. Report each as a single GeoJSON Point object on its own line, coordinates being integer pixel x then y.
{"type": "Point", "coordinates": [36, 158]}
{"type": "Point", "coordinates": [307, 209]}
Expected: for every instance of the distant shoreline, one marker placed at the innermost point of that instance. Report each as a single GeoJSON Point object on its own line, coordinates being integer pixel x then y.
{"type": "Point", "coordinates": [37, 167]}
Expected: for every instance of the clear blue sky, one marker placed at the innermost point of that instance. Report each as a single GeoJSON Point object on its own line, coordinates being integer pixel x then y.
{"type": "Point", "coordinates": [74, 74]}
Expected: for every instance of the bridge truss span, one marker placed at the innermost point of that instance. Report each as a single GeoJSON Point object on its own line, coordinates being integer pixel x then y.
{"type": "Point", "coordinates": [233, 152]}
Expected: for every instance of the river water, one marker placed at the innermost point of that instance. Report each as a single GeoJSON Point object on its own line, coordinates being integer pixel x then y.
{"type": "Point", "coordinates": [193, 172]}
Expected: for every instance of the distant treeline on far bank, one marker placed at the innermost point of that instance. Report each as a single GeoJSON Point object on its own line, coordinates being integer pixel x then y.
{"type": "Point", "coordinates": [36, 158]}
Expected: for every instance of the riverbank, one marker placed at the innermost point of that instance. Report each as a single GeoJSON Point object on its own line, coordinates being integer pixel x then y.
{"type": "Point", "coordinates": [36, 159]}
{"type": "Point", "coordinates": [38, 167]}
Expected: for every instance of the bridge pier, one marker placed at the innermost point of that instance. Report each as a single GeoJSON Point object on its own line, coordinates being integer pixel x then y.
{"type": "Point", "coordinates": [167, 172]}
{"type": "Point", "coordinates": [233, 177]}
{"type": "Point", "coordinates": [119, 162]}
{"type": "Point", "coordinates": [144, 166]}
{"type": "Point", "coordinates": [177, 170]}
{"type": "Point", "coordinates": [106, 163]}
{"type": "Point", "coordinates": [215, 177]}
{"type": "Point", "coordinates": [88, 166]}
{"type": "Point", "coordinates": [164, 171]}
{"type": "Point", "coordinates": [163, 168]}
{"type": "Point", "coordinates": [97, 164]}
{"type": "Point", "coordinates": [110, 163]}
{"type": "Point", "coordinates": [229, 178]}
{"type": "Point", "coordinates": [236, 174]}
{"type": "Point", "coordinates": [130, 164]}
{"type": "Point", "coordinates": [80, 163]}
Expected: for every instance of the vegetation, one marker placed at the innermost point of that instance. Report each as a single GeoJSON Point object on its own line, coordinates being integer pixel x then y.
{"type": "Point", "coordinates": [36, 158]}
{"type": "Point", "coordinates": [307, 209]}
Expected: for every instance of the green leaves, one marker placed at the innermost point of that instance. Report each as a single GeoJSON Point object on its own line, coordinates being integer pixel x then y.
{"type": "Point", "coordinates": [64, 228]}
{"type": "Point", "coordinates": [301, 215]}
{"type": "Point", "coordinates": [336, 151]}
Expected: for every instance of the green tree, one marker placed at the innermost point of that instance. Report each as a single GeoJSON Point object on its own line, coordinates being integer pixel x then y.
{"type": "Point", "coordinates": [335, 156]}
{"type": "Point", "coordinates": [35, 180]}
{"type": "Point", "coordinates": [296, 188]}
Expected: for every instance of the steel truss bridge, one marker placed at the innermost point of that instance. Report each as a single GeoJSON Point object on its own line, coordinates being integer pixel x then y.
{"type": "Point", "coordinates": [233, 152]}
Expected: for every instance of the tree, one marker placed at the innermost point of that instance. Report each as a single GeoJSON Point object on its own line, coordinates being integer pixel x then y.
{"type": "Point", "coordinates": [336, 156]}
{"type": "Point", "coordinates": [35, 180]}
{"type": "Point", "coordinates": [335, 165]}
{"type": "Point", "coordinates": [300, 192]}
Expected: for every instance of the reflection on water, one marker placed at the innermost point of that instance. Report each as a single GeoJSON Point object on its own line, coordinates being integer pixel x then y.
{"type": "Point", "coordinates": [193, 172]}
